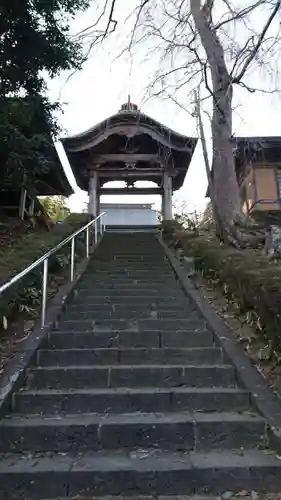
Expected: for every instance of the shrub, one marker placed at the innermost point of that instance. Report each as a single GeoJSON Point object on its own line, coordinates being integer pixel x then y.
{"type": "Point", "coordinates": [248, 280]}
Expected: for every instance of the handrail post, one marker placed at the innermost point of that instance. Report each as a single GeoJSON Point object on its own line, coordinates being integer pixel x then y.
{"type": "Point", "coordinates": [87, 242]}
{"type": "Point", "coordinates": [96, 232]}
{"type": "Point", "coordinates": [44, 292]}
{"type": "Point", "coordinates": [72, 259]}
{"type": "Point", "coordinates": [102, 225]}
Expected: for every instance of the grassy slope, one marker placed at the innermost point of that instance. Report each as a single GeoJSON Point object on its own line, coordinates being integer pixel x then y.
{"type": "Point", "coordinates": [28, 248]}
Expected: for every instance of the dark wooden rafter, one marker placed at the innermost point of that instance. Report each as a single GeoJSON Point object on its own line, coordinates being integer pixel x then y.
{"type": "Point", "coordinates": [127, 157]}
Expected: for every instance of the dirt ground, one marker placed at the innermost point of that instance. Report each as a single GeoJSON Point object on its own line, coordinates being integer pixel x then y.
{"type": "Point", "coordinates": [246, 335]}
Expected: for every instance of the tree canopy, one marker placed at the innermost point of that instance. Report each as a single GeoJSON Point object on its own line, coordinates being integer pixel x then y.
{"type": "Point", "coordinates": [55, 207]}
{"type": "Point", "coordinates": [35, 42]}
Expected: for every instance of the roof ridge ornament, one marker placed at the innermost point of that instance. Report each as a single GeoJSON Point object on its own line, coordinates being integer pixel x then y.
{"type": "Point", "coordinates": [128, 106]}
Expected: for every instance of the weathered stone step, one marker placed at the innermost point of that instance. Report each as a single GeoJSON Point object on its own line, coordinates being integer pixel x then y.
{"type": "Point", "coordinates": [111, 312]}
{"type": "Point", "coordinates": [78, 377]}
{"type": "Point", "coordinates": [133, 258]}
{"type": "Point", "coordinates": [142, 268]}
{"type": "Point", "coordinates": [138, 497]}
{"type": "Point", "coordinates": [127, 286]}
{"type": "Point", "coordinates": [112, 356]}
{"type": "Point", "coordinates": [129, 273]}
{"type": "Point", "coordinates": [124, 284]}
{"type": "Point", "coordinates": [148, 339]}
{"type": "Point", "coordinates": [168, 431]}
{"type": "Point", "coordinates": [95, 290]}
{"type": "Point", "coordinates": [129, 300]}
{"type": "Point", "coordinates": [124, 280]}
{"type": "Point", "coordinates": [129, 400]}
{"type": "Point", "coordinates": [139, 325]}
{"type": "Point", "coordinates": [147, 472]}
{"type": "Point", "coordinates": [137, 265]}
{"type": "Point", "coordinates": [107, 308]}
{"type": "Point", "coordinates": [137, 272]}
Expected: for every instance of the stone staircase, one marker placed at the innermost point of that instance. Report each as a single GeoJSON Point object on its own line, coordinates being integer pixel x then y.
{"type": "Point", "coordinates": [132, 395]}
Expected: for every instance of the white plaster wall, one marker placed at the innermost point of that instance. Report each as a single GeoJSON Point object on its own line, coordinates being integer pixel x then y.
{"type": "Point", "coordinates": [129, 215]}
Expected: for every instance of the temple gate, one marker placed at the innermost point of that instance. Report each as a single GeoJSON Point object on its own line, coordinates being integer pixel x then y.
{"type": "Point", "coordinates": [129, 146]}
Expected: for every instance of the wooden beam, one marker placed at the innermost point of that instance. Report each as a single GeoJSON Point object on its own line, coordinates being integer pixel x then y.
{"type": "Point", "coordinates": [125, 174]}
{"type": "Point", "coordinates": [126, 158]}
{"type": "Point", "coordinates": [122, 191]}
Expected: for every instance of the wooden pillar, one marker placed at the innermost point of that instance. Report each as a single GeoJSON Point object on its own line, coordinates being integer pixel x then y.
{"type": "Point", "coordinates": [92, 207]}
{"type": "Point", "coordinates": [167, 197]}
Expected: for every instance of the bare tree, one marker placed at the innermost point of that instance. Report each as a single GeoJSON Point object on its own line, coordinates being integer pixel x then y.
{"type": "Point", "coordinates": [210, 44]}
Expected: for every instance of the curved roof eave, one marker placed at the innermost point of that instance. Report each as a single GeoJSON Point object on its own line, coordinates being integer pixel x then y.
{"type": "Point", "coordinates": [102, 130]}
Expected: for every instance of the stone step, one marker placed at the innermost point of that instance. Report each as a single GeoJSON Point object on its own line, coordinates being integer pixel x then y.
{"type": "Point", "coordinates": [124, 283]}
{"type": "Point", "coordinates": [139, 497]}
{"type": "Point", "coordinates": [129, 300]}
{"type": "Point", "coordinates": [110, 312]}
{"type": "Point", "coordinates": [119, 268]}
{"type": "Point", "coordinates": [128, 271]}
{"type": "Point", "coordinates": [133, 259]}
{"type": "Point", "coordinates": [148, 339]}
{"type": "Point", "coordinates": [137, 264]}
{"type": "Point", "coordinates": [144, 472]}
{"type": "Point", "coordinates": [139, 325]}
{"type": "Point", "coordinates": [95, 290]}
{"type": "Point", "coordinates": [124, 280]}
{"type": "Point", "coordinates": [132, 273]}
{"type": "Point", "coordinates": [128, 400]}
{"type": "Point", "coordinates": [142, 248]}
{"type": "Point", "coordinates": [168, 431]}
{"type": "Point", "coordinates": [112, 356]}
{"type": "Point", "coordinates": [78, 377]}
{"type": "Point", "coordinates": [107, 308]}
{"type": "Point", "coordinates": [127, 286]}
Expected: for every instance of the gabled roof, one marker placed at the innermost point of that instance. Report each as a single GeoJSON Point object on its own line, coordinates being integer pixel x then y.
{"type": "Point", "coordinates": [54, 181]}
{"type": "Point", "coordinates": [129, 122]}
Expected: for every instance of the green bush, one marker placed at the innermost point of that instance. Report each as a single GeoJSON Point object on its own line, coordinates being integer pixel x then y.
{"type": "Point", "coordinates": [248, 280]}
{"type": "Point", "coordinates": [169, 228]}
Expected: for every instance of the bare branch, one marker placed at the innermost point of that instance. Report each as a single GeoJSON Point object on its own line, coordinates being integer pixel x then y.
{"type": "Point", "coordinates": [240, 14]}
{"type": "Point", "coordinates": [139, 11]}
{"type": "Point", "coordinates": [254, 52]}
{"type": "Point", "coordinates": [110, 21]}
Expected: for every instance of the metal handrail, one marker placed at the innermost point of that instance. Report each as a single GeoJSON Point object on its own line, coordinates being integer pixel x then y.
{"type": "Point", "coordinates": [45, 259]}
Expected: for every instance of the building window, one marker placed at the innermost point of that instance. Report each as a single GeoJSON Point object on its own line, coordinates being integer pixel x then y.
{"type": "Point", "coordinates": [278, 178]}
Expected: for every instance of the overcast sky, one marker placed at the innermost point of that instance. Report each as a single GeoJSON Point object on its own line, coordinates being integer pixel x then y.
{"type": "Point", "coordinates": [104, 83]}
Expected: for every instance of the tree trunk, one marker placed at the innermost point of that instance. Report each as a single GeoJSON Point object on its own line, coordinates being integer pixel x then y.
{"type": "Point", "coordinates": [225, 190]}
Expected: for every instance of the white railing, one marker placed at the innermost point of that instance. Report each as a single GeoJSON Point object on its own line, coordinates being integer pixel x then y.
{"type": "Point", "coordinates": [45, 260]}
